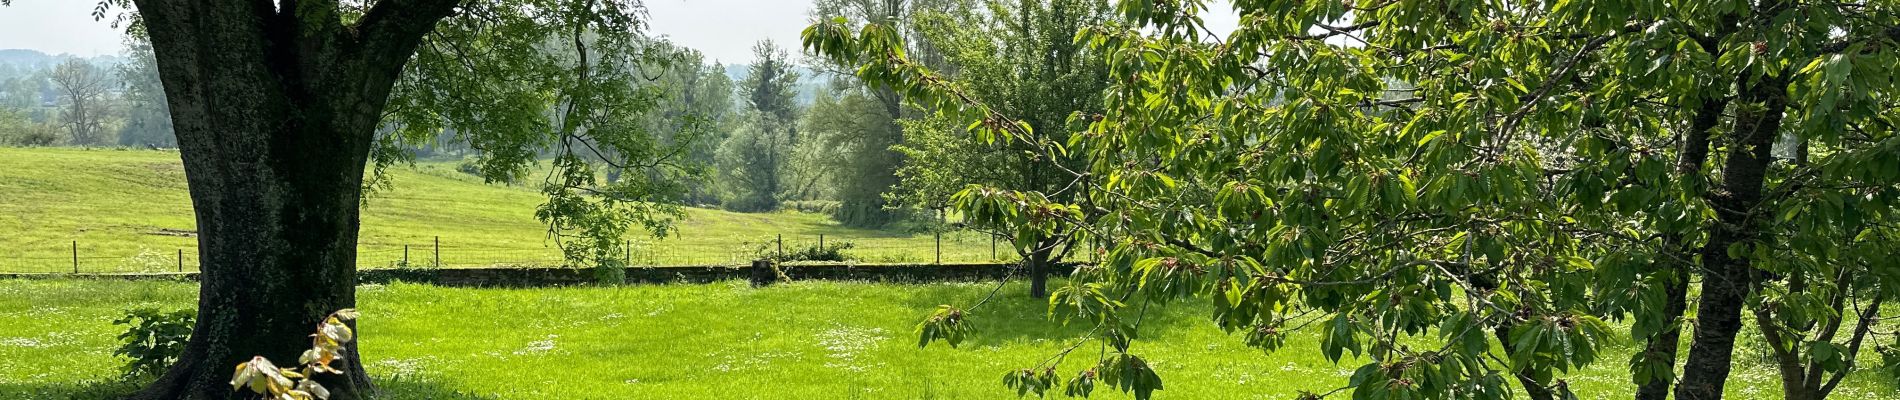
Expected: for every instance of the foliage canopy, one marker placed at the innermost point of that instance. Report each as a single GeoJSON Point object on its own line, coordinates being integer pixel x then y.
{"type": "Point", "coordinates": [1462, 193]}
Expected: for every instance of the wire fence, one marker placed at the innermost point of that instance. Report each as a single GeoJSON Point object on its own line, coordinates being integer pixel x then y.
{"type": "Point", "coordinates": [446, 252]}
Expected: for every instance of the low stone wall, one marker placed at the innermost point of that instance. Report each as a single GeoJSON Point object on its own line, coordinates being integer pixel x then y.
{"type": "Point", "coordinates": [172, 276]}
{"type": "Point", "coordinates": [544, 277]}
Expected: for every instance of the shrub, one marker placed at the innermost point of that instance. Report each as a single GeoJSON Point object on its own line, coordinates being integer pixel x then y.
{"type": "Point", "coordinates": [469, 167]}
{"type": "Point", "coordinates": [768, 250]}
{"type": "Point", "coordinates": [827, 207]}
{"type": "Point", "coordinates": [830, 252]}
{"type": "Point", "coordinates": [610, 272]}
{"type": "Point", "coordinates": [34, 136]}
{"type": "Point", "coordinates": [154, 339]}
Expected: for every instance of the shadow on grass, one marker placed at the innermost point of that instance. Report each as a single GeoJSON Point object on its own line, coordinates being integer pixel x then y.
{"type": "Point", "coordinates": [1011, 316]}
{"type": "Point", "coordinates": [391, 389]}
{"type": "Point", "coordinates": [408, 389]}
{"type": "Point", "coordinates": [88, 390]}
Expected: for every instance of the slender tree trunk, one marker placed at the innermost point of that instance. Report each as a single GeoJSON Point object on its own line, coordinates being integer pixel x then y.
{"type": "Point", "coordinates": [1532, 389]}
{"type": "Point", "coordinates": [1038, 261]}
{"type": "Point", "coordinates": [1726, 284]}
{"type": "Point", "coordinates": [1794, 385]}
{"type": "Point", "coordinates": [1808, 379]}
{"type": "Point", "coordinates": [1663, 345]}
{"type": "Point", "coordinates": [274, 113]}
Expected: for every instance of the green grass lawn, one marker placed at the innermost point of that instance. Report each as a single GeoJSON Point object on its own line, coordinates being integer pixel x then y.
{"type": "Point", "coordinates": [807, 340]}
{"type": "Point", "coordinates": [128, 210]}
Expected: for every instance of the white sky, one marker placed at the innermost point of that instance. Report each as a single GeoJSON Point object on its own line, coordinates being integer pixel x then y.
{"type": "Point", "coordinates": [57, 26]}
{"type": "Point", "coordinates": [724, 30]}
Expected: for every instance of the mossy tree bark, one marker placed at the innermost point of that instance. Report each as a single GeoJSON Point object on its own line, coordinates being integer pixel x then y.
{"type": "Point", "coordinates": [275, 105]}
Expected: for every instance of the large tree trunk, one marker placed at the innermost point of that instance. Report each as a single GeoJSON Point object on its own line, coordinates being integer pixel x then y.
{"type": "Point", "coordinates": [1726, 283]}
{"type": "Point", "coordinates": [274, 113]}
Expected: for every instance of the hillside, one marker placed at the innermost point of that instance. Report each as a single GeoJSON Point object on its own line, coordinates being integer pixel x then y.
{"type": "Point", "coordinates": [129, 211]}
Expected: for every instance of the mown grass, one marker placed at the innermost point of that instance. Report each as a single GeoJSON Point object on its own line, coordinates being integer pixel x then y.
{"type": "Point", "coordinates": [128, 210]}
{"type": "Point", "coordinates": [806, 340]}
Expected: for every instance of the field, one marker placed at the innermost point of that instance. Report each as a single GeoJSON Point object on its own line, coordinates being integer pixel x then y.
{"type": "Point", "coordinates": [128, 211]}
{"type": "Point", "coordinates": [807, 340]}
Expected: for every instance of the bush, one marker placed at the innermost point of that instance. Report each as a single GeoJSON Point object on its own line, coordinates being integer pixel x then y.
{"type": "Point", "coordinates": [768, 250]}
{"type": "Point", "coordinates": [610, 272]}
{"type": "Point", "coordinates": [31, 136]}
{"type": "Point", "coordinates": [154, 339]}
{"type": "Point", "coordinates": [827, 207]}
{"type": "Point", "coordinates": [830, 252]}
{"type": "Point", "coordinates": [469, 167]}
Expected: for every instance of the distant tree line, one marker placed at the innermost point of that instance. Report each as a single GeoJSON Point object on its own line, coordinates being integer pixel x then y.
{"type": "Point", "coordinates": [780, 133]}
{"type": "Point", "coordinates": [71, 101]}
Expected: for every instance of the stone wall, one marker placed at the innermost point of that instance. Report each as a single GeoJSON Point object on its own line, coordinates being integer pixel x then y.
{"type": "Point", "coordinates": [544, 277]}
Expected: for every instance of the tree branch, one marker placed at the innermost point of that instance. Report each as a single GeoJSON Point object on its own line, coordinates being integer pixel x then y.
{"type": "Point", "coordinates": [1891, 33]}
{"type": "Point", "coordinates": [391, 29]}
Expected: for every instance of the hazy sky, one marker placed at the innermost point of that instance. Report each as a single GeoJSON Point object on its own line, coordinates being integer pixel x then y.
{"type": "Point", "coordinates": [723, 29]}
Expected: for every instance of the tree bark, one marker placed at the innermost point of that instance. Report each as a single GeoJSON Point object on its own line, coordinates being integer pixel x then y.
{"type": "Point", "coordinates": [1532, 389]}
{"type": "Point", "coordinates": [1038, 260]}
{"type": "Point", "coordinates": [1787, 361]}
{"type": "Point", "coordinates": [275, 111]}
{"type": "Point", "coordinates": [1726, 283]}
{"type": "Point", "coordinates": [1664, 345]}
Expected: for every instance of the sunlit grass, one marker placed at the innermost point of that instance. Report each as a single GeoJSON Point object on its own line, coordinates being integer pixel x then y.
{"type": "Point", "coordinates": [807, 340]}
{"type": "Point", "coordinates": [128, 210]}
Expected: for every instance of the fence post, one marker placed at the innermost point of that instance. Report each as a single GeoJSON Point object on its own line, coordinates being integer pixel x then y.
{"type": "Point", "coordinates": [821, 241]}
{"type": "Point", "coordinates": [629, 252]}
{"type": "Point", "coordinates": [75, 256]}
{"type": "Point", "coordinates": [939, 230]}
{"type": "Point", "coordinates": [992, 247]}
{"type": "Point", "coordinates": [438, 252]}
{"type": "Point", "coordinates": [181, 260]}
{"type": "Point", "coordinates": [405, 256]}
{"type": "Point", "coordinates": [781, 246]}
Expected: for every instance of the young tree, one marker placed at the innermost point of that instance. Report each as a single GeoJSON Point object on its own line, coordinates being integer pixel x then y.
{"type": "Point", "coordinates": [276, 109]}
{"type": "Point", "coordinates": [1023, 57]}
{"type": "Point", "coordinates": [82, 89]}
{"type": "Point", "coordinates": [753, 160]}
{"type": "Point", "coordinates": [771, 86]}
{"type": "Point", "coordinates": [750, 163]}
{"type": "Point", "coordinates": [1418, 177]}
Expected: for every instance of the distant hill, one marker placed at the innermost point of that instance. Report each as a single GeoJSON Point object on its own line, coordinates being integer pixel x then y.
{"type": "Point", "coordinates": [29, 59]}
{"type": "Point", "coordinates": [25, 58]}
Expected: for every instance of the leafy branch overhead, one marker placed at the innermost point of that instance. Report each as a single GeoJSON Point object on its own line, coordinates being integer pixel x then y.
{"type": "Point", "coordinates": [1459, 198]}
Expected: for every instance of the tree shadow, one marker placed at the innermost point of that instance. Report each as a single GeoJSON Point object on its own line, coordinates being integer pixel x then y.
{"type": "Point", "coordinates": [86, 390]}
{"type": "Point", "coordinates": [396, 388]}
{"type": "Point", "coordinates": [1011, 316]}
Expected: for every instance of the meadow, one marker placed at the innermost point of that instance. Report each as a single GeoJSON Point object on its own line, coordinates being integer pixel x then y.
{"type": "Point", "coordinates": [810, 340]}
{"type": "Point", "coordinates": [129, 211]}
